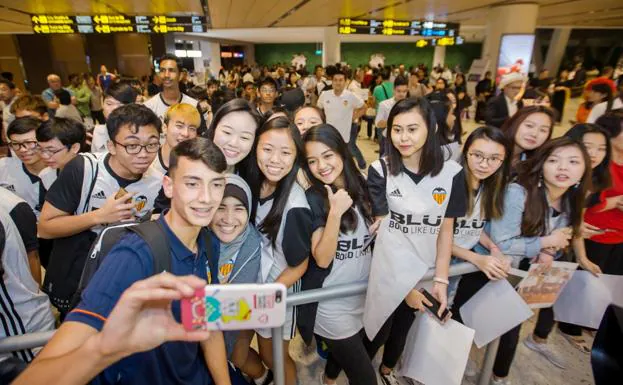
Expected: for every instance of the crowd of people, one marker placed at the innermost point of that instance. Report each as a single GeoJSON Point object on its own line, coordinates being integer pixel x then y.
{"type": "Point", "coordinates": [259, 180]}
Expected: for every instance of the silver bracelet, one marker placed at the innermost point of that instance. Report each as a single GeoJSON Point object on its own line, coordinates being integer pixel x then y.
{"type": "Point", "coordinates": [441, 280]}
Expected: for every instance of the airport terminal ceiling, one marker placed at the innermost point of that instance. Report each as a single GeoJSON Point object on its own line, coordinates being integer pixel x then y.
{"type": "Point", "coordinates": [15, 14]}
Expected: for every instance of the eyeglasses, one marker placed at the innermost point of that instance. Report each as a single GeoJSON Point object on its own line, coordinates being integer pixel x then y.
{"type": "Point", "coordinates": [49, 152]}
{"type": "Point", "coordinates": [27, 145]}
{"type": "Point", "coordinates": [491, 160]}
{"type": "Point", "coordinates": [134, 149]}
{"type": "Point", "coordinates": [268, 90]}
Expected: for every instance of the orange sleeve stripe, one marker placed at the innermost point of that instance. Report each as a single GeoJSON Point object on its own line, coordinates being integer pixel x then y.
{"type": "Point", "coordinates": [89, 313]}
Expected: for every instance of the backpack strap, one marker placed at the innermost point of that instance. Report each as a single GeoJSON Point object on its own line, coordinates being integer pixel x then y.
{"type": "Point", "coordinates": [385, 91]}
{"type": "Point", "coordinates": [153, 233]}
{"type": "Point", "coordinates": [212, 267]}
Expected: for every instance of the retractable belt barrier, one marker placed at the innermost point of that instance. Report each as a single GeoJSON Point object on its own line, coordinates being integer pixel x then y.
{"type": "Point", "coordinates": [33, 340]}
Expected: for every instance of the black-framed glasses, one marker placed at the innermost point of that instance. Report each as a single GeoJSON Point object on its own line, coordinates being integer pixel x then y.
{"type": "Point", "coordinates": [268, 90]}
{"type": "Point", "coordinates": [494, 160]}
{"type": "Point", "coordinates": [134, 149]}
{"type": "Point", "coordinates": [50, 152]}
{"type": "Point", "coordinates": [27, 145]}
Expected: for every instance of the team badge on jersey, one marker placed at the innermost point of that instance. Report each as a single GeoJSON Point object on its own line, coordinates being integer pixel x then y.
{"type": "Point", "coordinates": [439, 195]}
{"type": "Point", "coordinates": [140, 202]}
{"type": "Point", "coordinates": [345, 103]}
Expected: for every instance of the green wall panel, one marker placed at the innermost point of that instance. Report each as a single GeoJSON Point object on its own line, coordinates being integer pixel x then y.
{"type": "Point", "coordinates": [357, 54]}
{"type": "Point", "coordinates": [268, 54]}
{"type": "Point", "coordinates": [395, 53]}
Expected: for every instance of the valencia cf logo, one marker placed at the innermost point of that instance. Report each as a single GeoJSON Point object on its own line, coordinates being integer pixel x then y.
{"type": "Point", "coordinates": [345, 103]}
{"type": "Point", "coordinates": [439, 195]}
{"type": "Point", "coordinates": [140, 202]}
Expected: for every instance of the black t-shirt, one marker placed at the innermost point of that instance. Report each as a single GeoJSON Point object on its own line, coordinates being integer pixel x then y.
{"type": "Point", "coordinates": [318, 208]}
{"type": "Point", "coordinates": [457, 206]}
{"type": "Point", "coordinates": [26, 223]}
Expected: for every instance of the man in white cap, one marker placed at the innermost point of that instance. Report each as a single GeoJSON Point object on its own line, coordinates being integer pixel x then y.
{"type": "Point", "coordinates": [506, 104]}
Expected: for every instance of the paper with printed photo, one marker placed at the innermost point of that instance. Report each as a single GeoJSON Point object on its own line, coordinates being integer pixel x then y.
{"type": "Point", "coordinates": [436, 354]}
{"type": "Point", "coordinates": [543, 284]}
{"type": "Point", "coordinates": [585, 298]}
{"type": "Point", "coordinates": [494, 310]}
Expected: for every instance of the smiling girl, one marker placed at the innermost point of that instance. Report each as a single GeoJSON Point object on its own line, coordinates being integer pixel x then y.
{"type": "Point", "coordinates": [341, 211]}
{"type": "Point", "coordinates": [233, 130]}
{"type": "Point", "coordinates": [283, 217]}
{"type": "Point", "coordinates": [415, 198]}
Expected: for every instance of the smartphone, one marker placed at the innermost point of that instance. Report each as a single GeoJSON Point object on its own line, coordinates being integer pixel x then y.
{"type": "Point", "coordinates": [435, 307]}
{"type": "Point", "coordinates": [235, 307]}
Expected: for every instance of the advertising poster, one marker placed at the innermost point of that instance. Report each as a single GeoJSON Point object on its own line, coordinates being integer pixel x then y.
{"type": "Point", "coordinates": [515, 55]}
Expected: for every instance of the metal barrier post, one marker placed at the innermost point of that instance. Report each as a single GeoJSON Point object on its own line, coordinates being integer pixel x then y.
{"type": "Point", "coordinates": [488, 361]}
{"type": "Point", "coordinates": [278, 357]}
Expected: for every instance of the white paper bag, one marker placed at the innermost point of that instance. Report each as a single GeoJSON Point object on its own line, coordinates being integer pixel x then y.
{"type": "Point", "coordinates": [436, 354]}
{"type": "Point", "coordinates": [585, 298]}
{"type": "Point", "coordinates": [494, 310]}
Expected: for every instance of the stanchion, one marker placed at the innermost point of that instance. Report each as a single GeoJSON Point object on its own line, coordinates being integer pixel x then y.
{"type": "Point", "coordinates": [278, 357]}
{"type": "Point", "coordinates": [487, 363]}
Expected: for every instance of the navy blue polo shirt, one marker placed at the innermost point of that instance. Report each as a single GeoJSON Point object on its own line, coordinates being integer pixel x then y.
{"type": "Point", "coordinates": [130, 261]}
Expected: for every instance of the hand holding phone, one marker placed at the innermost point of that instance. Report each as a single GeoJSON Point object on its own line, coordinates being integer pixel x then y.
{"type": "Point", "coordinates": [235, 307]}
{"type": "Point", "coordinates": [435, 305]}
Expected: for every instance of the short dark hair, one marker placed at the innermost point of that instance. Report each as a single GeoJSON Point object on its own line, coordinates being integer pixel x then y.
{"type": "Point", "coordinates": [339, 72]}
{"type": "Point", "coordinates": [612, 122]}
{"type": "Point", "coordinates": [198, 92]}
{"type": "Point", "coordinates": [7, 75]}
{"type": "Point", "coordinates": [400, 81]}
{"type": "Point", "coordinates": [64, 97]}
{"type": "Point", "coordinates": [67, 131]}
{"type": "Point", "coordinates": [169, 56]}
{"type": "Point", "coordinates": [198, 149]}
{"type": "Point", "coordinates": [330, 71]}
{"type": "Point", "coordinates": [246, 84]}
{"type": "Point", "coordinates": [431, 160]}
{"type": "Point", "coordinates": [213, 82]}
{"type": "Point", "coordinates": [22, 126]}
{"type": "Point", "coordinates": [7, 83]}
{"type": "Point", "coordinates": [134, 115]}
{"type": "Point", "coordinates": [269, 81]}
{"type": "Point", "coordinates": [72, 76]}
{"type": "Point", "coordinates": [122, 92]}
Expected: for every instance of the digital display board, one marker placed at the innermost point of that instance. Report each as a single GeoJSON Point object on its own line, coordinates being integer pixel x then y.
{"type": "Point", "coordinates": [424, 28]}
{"type": "Point", "coordinates": [104, 24]}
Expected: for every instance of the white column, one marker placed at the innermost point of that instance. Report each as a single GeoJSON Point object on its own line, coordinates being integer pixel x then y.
{"type": "Point", "coordinates": [331, 51]}
{"type": "Point", "coordinates": [439, 56]}
{"type": "Point", "coordinates": [507, 19]}
{"type": "Point", "coordinates": [556, 50]}
{"type": "Point", "coordinates": [249, 54]}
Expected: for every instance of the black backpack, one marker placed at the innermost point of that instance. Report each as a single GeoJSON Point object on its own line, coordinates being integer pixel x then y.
{"type": "Point", "coordinates": [327, 87]}
{"type": "Point", "coordinates": [152, 232]}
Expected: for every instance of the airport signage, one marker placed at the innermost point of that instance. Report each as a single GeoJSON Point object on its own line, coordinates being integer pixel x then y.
{"type": "Point", "coordinates": [390, 27]}
{"type": "Point", "coordinates": [106, 24]}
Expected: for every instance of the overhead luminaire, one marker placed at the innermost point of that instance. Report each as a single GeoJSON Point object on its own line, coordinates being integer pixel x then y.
{"type": "Point", "coordinates": [180, 53]}
{"type": "Point", "coordinates": [193, 53]}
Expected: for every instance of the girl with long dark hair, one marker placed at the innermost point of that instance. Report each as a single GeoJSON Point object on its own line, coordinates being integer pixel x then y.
{"type": "Point", "coordinates": [233, 130]}
{"type": "Point", "coordinates": [542, 216]}
{"type": "Point", "coordinates": [528, 130]}
{"type": "Point", "coordinates": [340, 204]}
{"type": "Point", "coordinates": [416, 196]}
{"type": "Point", "coordinates": [283, 217]}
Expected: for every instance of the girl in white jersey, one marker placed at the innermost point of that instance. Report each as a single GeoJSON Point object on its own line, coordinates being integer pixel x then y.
{"type": "Point", "coordinates": [283, 217]}
{"type": "Point", "coordinates": [341, 211]}
{"type": "Point", "coordinates": [486, 161]}
{"type": "Point", "coordinates": [415, 198]}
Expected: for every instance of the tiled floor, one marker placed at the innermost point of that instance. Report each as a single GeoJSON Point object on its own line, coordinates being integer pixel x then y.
{"type": "Point", "coordinates": [529, 368]}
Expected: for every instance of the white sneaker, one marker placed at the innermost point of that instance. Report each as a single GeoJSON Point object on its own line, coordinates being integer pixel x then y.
{"type": "Point", "coordinates": [545, 351]}
{"type": "Point", "coordinates": [500, 381]}
{"type": "Point", "coordinates": [389, 379]}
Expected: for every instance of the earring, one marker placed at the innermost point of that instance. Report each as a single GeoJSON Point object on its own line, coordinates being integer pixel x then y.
{"type": "Point", "coordinates": [577, 185]}
{"type": "Point", "coordinates": [540, 181]}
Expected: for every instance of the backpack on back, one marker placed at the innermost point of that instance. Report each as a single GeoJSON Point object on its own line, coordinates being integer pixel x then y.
{"type": "Point", "coordinates": [152, 232]}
